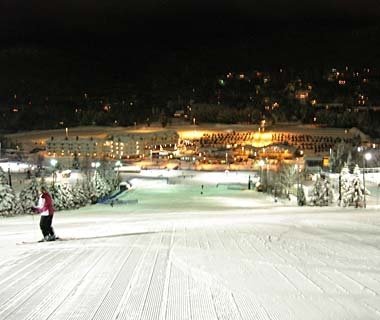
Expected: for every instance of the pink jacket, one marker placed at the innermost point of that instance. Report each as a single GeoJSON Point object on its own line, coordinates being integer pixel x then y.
{"type": "Point", "coordinates": [45, 205]}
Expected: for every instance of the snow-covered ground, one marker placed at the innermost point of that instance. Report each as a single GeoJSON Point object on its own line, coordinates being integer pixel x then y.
{"type": "Point", "coordinates": [187, 252]}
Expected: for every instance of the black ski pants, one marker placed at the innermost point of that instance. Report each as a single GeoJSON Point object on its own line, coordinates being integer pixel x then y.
{"type": "Point", "coordinates": [45, 225]}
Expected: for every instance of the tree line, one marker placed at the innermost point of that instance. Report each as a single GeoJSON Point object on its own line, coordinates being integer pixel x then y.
{"type": "Point", "coordinates": [95, 186]}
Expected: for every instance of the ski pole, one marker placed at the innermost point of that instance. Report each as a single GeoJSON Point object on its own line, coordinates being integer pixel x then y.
{"type": "Point", "coordinates": [34, 227]}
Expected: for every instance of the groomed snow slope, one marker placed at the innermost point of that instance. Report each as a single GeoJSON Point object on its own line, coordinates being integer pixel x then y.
{"type": "Point", "coordinates": [179, 254]}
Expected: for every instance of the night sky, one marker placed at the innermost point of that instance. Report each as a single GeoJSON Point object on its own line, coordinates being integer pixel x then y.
{"type": "Point", "coordinates": [227, 33]}
{"type": "Point", "coordinates": [76, 18]}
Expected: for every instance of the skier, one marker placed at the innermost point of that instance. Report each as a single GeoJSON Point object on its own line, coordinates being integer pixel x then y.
{"type": "Point", "coordinates": [46, 209]}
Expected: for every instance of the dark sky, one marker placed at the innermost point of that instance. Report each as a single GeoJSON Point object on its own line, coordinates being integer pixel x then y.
{"type": "Point", "coordinates": [224, 32]}
{"type": "Point", "coordinates": [156, 20]}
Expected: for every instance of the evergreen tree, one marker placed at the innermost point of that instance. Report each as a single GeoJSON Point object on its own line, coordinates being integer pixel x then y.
{"type": "Point", "coordinates": [286, 179]}
{"type": "Point", "coordinates": [79, 195]}
{"type": "Point", "coordinates": [346, 190]}
{"type": "Point", "coordinates": [3, 177]}
{"type": "Point", "coordinates": [113, 178]}
{"type": "Point", "coordinates": [43, 183]}
{"type": "Point", "coordinates": [58, 197]}
{"type": "Point", "coordinates": [67, 197]}
{"type": "Point", "coordinates": [29, 195]}
{"type": "Point", "coordinates": [9, 202]}
{"type": "Point", "coordinates": [87, 189]}
{"type": "Point", "coordinates": [301, 198]}
{"type": "Point", "coordinates": [321, 194]}
{"type": "Point", "coordinates": [100, 187]}
{"type": "Point", "coordinates": [357, 188]}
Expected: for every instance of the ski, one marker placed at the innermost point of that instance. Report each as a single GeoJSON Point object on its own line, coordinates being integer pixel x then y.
{"type": "Point", "coordinates": [35, 242]}
{"type": "Point", "coordinates": [91, 238]}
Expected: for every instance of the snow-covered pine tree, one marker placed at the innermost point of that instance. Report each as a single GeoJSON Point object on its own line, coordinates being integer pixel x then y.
{"type": "Point", "coordinates": [346, 190]}
{"type": "Point", "coordinates": [286, 179]}
{"type": "Point", "coordinates": [322, 193]}
{"type": "Point", "coordinates": [58, 197]}
{"type": "Point", "coordinates": [87, 190]}
{"type": "Point", "coordinates": [301, 198]}
{"type": "Point", "coordinates": [112, 178]}
{"type": "Point", "coordinates": [43, 183]}
{"type": "Point", "coordinates": [29, 195]}
{"type": "Point", "coordinates": [357, 188]}
{"type": "Point", "coordinates": [9, 202]}
{"type": "Point", "coordinates": [329, 195]}
{"type": "Point", "coordinates": [3, 177]}
{"type": "Point", "coordinates": [317, 191]}
{"type": "Point", "coordinates": [99, 185]}
{"type": "Point", "coordinates": [79, 197]}
{"type": "Point", "coordinates": [109, 175]}
{"type": "Point", "coordinates": [67, 197]}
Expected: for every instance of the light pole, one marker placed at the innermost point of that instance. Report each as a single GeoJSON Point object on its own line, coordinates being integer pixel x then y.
{"type": "Point", "coordinates": [366, 157]}
{"type": "Point", "coordinates": [298, 182]}
{"type": "Point", "coordinates": [9, 177]}
{"type": "Point", "coordinates": [261, 164]}
{"type": "Point", "coordinates": [53, 163]}
{"type": "Point", "coordinates": [118, 165]}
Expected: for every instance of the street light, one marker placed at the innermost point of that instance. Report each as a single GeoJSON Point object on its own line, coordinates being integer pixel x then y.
{"type": "Point", "coordinates": [366, 157]}
{"type": "Point", "coordinates": [95, 165]}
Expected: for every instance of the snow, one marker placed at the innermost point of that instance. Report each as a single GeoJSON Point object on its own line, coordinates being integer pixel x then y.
{"type": "Point", "coordinates": [16, 166]}
{"type": "Point", "coordinates": [187, 252]}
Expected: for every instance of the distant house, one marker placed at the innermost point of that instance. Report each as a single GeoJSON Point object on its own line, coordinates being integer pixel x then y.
{"type": "Point", "coordinates": [179, 114]}
{"type": "Point", "coordinates": [302, 96]}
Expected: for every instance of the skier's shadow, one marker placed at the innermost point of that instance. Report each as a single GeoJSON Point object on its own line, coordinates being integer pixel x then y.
{"type": "Point", "coordinates": [119, 235]}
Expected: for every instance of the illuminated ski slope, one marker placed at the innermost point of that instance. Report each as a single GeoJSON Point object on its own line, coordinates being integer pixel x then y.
{"type": "Point", "coordinates": [179, 254]}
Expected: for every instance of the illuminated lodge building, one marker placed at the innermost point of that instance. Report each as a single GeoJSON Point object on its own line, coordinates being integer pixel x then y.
{"type": "Point", "coordinates": [209, 146]}
{"type": "Point", "coordinates": [130, 145]}
{"type": "Point", "coordinates": [140, 145]}
{"type": "Point", "coordinates": [67, 147]}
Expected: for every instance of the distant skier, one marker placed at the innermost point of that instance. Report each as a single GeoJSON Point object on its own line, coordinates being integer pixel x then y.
{"type": "Point", "coordinates": [46, 209]}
